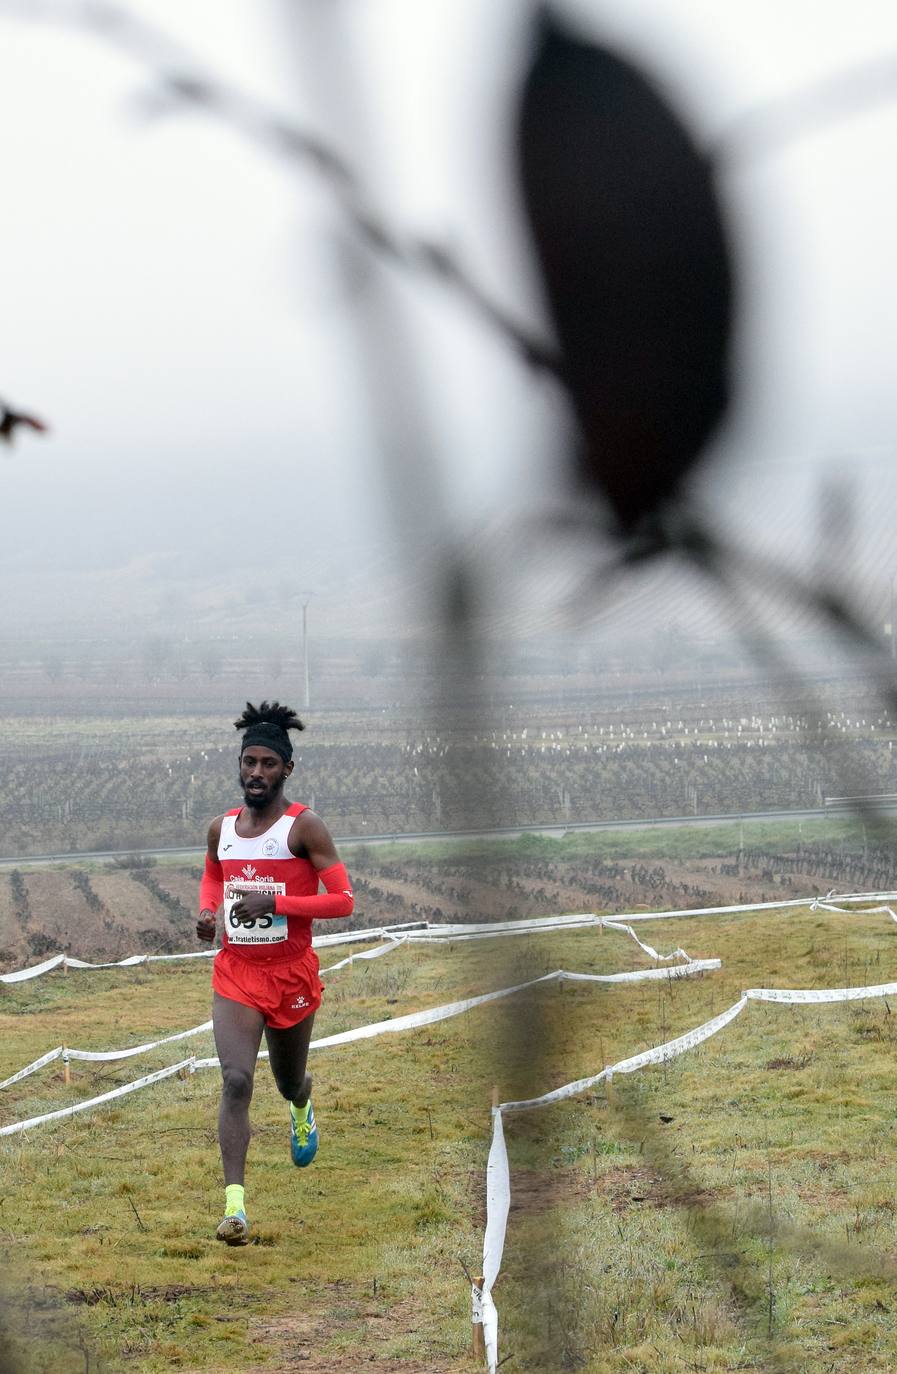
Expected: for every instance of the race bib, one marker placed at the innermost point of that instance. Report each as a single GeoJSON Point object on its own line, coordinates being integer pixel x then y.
{"type": "Point", "coordinates": [260, 930]}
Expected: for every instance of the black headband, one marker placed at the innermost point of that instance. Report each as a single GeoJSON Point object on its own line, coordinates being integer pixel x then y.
{"type": "Point", "coordinates": [271, 735]}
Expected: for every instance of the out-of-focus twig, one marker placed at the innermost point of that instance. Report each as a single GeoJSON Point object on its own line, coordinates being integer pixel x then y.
{"type": "Point", "coordinates": [11, 420]}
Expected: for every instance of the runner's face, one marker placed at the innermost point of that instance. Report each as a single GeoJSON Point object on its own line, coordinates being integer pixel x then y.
{"type": "Point", "coordinates": [262, 775]}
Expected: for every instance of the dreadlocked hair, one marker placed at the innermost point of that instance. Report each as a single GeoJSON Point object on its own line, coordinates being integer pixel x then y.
{"type": "Point", "coordinates": [269, 713]}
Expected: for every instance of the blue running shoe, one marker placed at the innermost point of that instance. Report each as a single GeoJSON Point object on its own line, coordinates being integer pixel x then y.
{"type": "Point", "coordinates": [234, 1229]}
{"type": "Point", "coordinates": [303, 1137]}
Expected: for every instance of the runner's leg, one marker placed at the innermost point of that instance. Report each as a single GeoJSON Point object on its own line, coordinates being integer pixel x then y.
{"type": "Point", "coordinates": [238, 1034]}
{"type": "Point", "coordinates": [289, 1055]}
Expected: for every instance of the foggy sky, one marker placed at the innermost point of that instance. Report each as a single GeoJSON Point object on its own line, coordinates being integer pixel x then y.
{"type": "Point", "coordinates": [171, 303]}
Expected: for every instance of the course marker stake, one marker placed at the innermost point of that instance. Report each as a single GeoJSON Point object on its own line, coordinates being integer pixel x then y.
{"type": "Point", "coordinates": [479, 1342]}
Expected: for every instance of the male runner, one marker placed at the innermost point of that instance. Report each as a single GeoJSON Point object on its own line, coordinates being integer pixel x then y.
{"type": "Point", "coordinates": [264, 863]}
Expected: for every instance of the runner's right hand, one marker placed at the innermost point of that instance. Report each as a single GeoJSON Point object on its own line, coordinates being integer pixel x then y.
{"type": "Point", "coordinates": [205, 926]}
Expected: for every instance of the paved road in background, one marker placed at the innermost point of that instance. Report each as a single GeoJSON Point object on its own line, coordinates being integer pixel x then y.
{"type": "Point", "coordinates": [506, 833]}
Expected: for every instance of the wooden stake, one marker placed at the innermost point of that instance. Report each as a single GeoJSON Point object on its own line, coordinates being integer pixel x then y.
{"type": "Point", "coordinates": [66, 1072]}
{"type": "Point", "coordinates": [479, 1340]}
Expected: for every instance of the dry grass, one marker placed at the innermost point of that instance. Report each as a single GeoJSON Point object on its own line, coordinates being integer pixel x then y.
{"type": "Point", "coordinates": [728, 1214]}
{"type": "Point", "coordinates": [732, 1210]}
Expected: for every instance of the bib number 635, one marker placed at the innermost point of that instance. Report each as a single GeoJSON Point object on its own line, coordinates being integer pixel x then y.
{"type": "Point", "coordinates": [250, 922]}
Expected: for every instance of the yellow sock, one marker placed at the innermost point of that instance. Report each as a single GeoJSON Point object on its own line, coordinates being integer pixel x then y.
{"type": "Point", "coordinates": [233, 1194]}
{"type": "Point", "coordinates": [300, 1114]}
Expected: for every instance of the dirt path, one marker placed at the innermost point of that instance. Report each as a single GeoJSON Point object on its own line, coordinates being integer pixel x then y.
{"type": "Point", "coordinates": [298, 1341]}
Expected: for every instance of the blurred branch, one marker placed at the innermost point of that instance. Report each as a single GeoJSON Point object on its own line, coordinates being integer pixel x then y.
{"type": "Point", "coordinates": [11, 420]}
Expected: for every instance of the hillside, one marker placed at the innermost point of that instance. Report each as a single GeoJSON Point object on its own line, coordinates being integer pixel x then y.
{"type": "Point", "coordinates": [103, 911]}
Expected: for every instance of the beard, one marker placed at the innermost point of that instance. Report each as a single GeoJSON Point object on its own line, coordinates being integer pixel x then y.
{"type": "Point", "coordinates": [257, 801]}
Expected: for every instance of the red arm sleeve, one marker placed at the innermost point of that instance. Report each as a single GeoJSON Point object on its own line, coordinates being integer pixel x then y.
{"type": "Point", "coordinates": [336, 901]}
{"type": "Point", "coordinates": [211, 888]}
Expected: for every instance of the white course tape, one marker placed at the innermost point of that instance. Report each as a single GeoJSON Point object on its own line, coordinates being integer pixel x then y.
{"type": "Point", "coordinates": [562, 975]}
{"type": "Point", "coordinates": [168, 958]}
{"type": "Point", "coordinates": [835, 895]}
{"type": "Point", "coordinates": [132, 959]}
{"type": "Point", "coordinates": [416, 930]}
{"type": "Point", "coordinates": [108, 1055]}
{"type": "Point", "coordinates": [537, 926]}
{"type": "Point", "coordinates": [825, 905]}
{"type": "Point", "coordinates": [34, 972]}
{"type": "Point", "coordinates": [792, 903]}
{"type": "Point", "coordinates": [428, 1018]}
{"type": "Point", "coordinates": [367, 954]}
{"type": "Point", "coordinates": [32, 1068]}
{"type": "Point", "coordinates": [800, 996]}
{"type": "Point", "coordinates": [66, 1053]}
{"type": "Point", "coordinates": [319, 942]}
{"type": "Point", "coordinates": [649, 949]}
{"type": "Point", "coordinates": [461, 934]}
{"type": "Point", "coordinates": [403, 1023]}
{"type": "Point", "coordinates": [526, 926]}
{"type": "Point", "coordinates": [186, 1065]}
{"type": "Point", "coordinates": [393, 941]}
{"type": "Point", "coordinates": [496, 1221]}
{"type": "Point", "coordinates": [400, 1023]}
{"type": "Point", "coordinates": [68, 961]}
{"type": "Point", "coordinates": [348, 937]}
{"type": "Point", "coordinates": [490, 1330]}
{"type": "Point", "coordinates": [656, 1055]}
{"type": "Point", "coordinates": [498, 1202]}
{"type": "Point", "coordinates": [659, 1054]}
{"type": "Point", "coordinates": [103, 1056]}
{"type": "Point", "coordinates": [695, 966]}
{"type": "Point", "coordinates": [645, 974]}
{"type": "Point", "coordinates": [421, 931]}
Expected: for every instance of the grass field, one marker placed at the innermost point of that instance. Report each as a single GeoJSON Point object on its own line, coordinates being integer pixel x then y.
{"type": "Point", "coordinates": [734, 1209]}
{"type": "Point", "coordinates": [651, 843]}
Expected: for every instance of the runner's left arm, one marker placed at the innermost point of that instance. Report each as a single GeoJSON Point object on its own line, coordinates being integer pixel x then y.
{"type": "Point", "coordinates": [313, 837]}
{"type": "Point", "coordinates": [309, 839]}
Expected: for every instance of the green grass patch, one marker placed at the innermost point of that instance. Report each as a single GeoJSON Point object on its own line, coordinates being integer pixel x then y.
{"type": "Point", "coordinates": [657, 843]}
{"type": "Point", "coordinates": [730, 1210]}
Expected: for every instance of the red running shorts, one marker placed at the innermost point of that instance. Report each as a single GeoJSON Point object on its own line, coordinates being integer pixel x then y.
{"type": "Point", "coordinates": [285, 993]}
